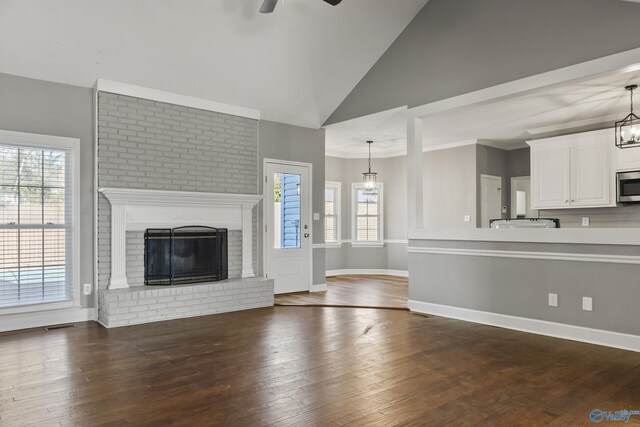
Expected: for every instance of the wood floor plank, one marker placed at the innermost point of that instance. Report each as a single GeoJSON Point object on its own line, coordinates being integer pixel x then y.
{"type": "Point", "coordinates": [355, 290]}
{"type": "Point", "coordinates": [291, 366]}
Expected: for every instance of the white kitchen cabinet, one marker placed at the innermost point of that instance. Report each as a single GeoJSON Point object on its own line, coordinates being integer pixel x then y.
{"type": "Point", "coordinates": [573, 171]}
{"type": "Point", "coordinates": [627, 159]}
{"type": "Point", "coordinates": [550, 177]}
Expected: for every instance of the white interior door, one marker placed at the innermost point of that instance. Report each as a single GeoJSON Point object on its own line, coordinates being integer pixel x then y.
{"type": "Point", "coordinates": [490, 199]}
{"type": "Point", "coordinates": [288, 226]}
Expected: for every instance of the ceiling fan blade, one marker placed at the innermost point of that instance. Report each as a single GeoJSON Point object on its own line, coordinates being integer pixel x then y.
{"type": "Point", "coordinates": [268, 6]}
{"type": "Point", "coordinates": [333, 2]}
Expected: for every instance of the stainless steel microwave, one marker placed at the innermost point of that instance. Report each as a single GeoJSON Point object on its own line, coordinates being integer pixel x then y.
{"type": "Point", "coordinates": [628, 187]}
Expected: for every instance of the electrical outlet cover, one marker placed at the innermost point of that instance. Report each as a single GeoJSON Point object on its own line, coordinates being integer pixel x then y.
{"type": "Point", "coordinates": [585, 221]}
{"type": "Point", "coordinates": [87, 289]}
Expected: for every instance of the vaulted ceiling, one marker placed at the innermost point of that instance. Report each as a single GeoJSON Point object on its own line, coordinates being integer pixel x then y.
{"type": "Point", "coordinates": [295, 65]}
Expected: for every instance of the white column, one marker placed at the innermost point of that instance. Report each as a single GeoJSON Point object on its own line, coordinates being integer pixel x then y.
{"type": "Point", "coordinates": [247, 242]}
{"type": "Point", "coordinates": [414, 175]}
{"type": "Point", "coordinates": [118, 248]}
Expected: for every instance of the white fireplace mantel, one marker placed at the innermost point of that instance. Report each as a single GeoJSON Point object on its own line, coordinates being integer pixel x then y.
{"type": "Point", "coordinates": [136, 209]}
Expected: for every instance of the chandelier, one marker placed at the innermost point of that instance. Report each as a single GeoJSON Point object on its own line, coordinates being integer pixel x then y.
{"type": "Point", "coordinates": [628, 129]}
{"type": "Point", "coordinates": [369, 178]}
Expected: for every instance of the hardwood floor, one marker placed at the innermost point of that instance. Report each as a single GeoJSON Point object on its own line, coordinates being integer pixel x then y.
{"type": "Point", "coordinates": [356, 290]}
{"type": "Point", "coordinates": [291, 366]}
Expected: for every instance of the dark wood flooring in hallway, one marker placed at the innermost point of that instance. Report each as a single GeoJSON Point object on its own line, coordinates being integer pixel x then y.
{"type": "Point", "coordinates": [355, 290]}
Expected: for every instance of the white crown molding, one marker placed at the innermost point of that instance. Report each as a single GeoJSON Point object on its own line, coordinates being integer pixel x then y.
{"type": "Point", "coordinates": [555, 256]}
{"type": "Point", "coordinates": [175, 99]}
{"type": "Point", "coordinates": [535, 326]}
{"type": "Point", "coordinates": [381, 153]}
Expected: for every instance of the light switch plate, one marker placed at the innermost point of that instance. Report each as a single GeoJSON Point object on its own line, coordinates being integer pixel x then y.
{"type": "Point", "coordinates": [587, 304]}
{"type": "Point", "coordinates": [316, 216]}
{"type": "Point", "coordinates": [467, 218]}
{"type": "Point", "coordinates": [553, 300]}
{"type": "Point", "coordinates": [87, 288]}
{"type": "Point", "coordinates": [585, 221]}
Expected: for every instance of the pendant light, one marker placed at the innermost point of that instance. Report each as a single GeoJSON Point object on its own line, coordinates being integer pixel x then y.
{"type": "Point", "coordinates": [369, 178]}
{"type": "Point", "coordinates": [628, 129]}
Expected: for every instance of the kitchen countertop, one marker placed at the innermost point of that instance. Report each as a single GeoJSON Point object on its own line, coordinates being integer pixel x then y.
{"type": "Point", "coordinates": [592, 236]}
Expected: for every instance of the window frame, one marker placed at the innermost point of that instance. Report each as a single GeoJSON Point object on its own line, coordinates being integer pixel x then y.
{"type": "Point", "coordinates": [73, 145]}
{"type": "Point", "coordinates": [337, 188]}
{"type": "Point", "coordinates": [354, 215]}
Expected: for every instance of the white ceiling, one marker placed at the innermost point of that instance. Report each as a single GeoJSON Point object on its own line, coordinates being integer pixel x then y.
{"type": "Point", "coordinates": [295, 65]}
{"type": "Point", "coordinates": [507, 123]}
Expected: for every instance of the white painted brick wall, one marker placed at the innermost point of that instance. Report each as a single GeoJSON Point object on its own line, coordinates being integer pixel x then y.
{"type": "Point", "coordinates": [151, 304]}
{"type": "Point", "coordinates": [154, 145]}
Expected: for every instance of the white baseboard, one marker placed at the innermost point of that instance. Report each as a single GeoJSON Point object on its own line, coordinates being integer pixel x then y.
{"type": "Point", "coordinates": [14, 322]}
{"type": "Point", "coordinates": [535, 326]}
{"type": "Point", "coordinates": [318, 288]}
{"type": "Point", "coordinates": [372, 271]}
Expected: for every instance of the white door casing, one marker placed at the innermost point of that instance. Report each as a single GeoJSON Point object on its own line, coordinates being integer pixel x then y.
{"type": "Point", "coordinates": [490, 199]}
{"type": "Point", "coordinates": [290, 265]}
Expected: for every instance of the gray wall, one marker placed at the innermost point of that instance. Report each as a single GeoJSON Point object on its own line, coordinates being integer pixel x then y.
{"type": "Point", "coordinates": [392, 173]}
{"type": "Point", "coordinates": [519, 162]}
{"type": "Point", "coordinates": [298, 144]}
{"type": "Point", "coordinates": [36, 106]}
{"type": "Point", "coordinates": [491, 161]}
{"type": "Point", "coordinates": [159, 146]}
{"type": "Point", "coordinates": [454, 47]}
{"type": "Point", "coordinates": [520, 287]}
{"type": "Point", "coordinates": [449, 187]}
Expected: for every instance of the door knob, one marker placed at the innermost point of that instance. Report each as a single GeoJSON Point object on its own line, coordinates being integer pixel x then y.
{"type": "Point", "coordinates": [306, 234]}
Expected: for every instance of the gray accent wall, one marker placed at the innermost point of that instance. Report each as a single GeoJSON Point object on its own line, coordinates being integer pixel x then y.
{"type": "Point", "coordinates": [159, 146]}
{"type": "Point", "coordinates": [392, 173]}
{"type": "Point", "coordinates": [36, 106]}
{"type": "Point", "coordinates": [520, 286]}
{"type": "Point", "coordinates": [454, 47]}
{"type": "Point", "coordinates": [297, 144]}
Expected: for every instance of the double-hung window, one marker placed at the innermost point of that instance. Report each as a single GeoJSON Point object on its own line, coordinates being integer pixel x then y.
{"type": "Point", "coordinates": [37, 217]}
{"type": "Point", "coordinates": [332, 215]}
{"type": "Point", "coordinates": [367, 224]}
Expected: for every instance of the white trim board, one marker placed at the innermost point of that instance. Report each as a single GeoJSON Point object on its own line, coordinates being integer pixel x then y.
{"type": "Point", "coordinates": [555, 256]}
{"type": "Point", "coordinates": [13, 322]}
{"type": "Point", "coordinates": [365, 271]}
{"type": "Point", "coordinates": [535, 326]}
{"type": "Point", "coordinates": [175, 99]}
{"type": "Point", "coordinates": [620, 62]}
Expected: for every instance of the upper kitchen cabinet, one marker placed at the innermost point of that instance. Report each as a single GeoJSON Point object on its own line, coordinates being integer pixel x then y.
{"type": "Point", "coordinates": [627, 159]}
{"type": "Point", "coordinates": [573, 171]}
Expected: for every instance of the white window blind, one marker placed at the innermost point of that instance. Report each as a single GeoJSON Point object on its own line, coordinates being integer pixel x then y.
{"type": "Point", "coordinates": [367, 208]}
{"type": "Point", "coordinates": [35, 225]}
{"type": "Point", "coordinates": [332, 212]}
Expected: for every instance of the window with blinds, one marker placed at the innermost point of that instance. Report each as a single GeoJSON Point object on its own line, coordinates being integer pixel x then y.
{"type": "Point", "coordinates": [332, 212]}
{"type": "Point", "coordinates": [367, 209]}
{"type": "Point", "coordinates": [35, 225]}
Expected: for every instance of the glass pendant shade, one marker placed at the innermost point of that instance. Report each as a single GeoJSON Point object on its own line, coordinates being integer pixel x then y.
{"type": "Point", "coordinates": [369, 179]}
{"type": "Point", "coordinates": [628, 129]}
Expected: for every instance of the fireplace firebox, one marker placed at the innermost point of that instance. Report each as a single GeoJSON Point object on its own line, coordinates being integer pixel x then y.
{"type": "Point", "coordinates": [192, 254]}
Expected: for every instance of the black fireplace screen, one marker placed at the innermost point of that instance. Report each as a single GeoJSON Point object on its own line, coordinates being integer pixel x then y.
{"type": "Point", "coordinates": [191, 254]}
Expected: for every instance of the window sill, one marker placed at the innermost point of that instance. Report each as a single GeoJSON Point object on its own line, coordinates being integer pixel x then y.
{"type": "Point", "coordinates": [333, 245]}
{"type": "Point", "coordinates": [367, 244]}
